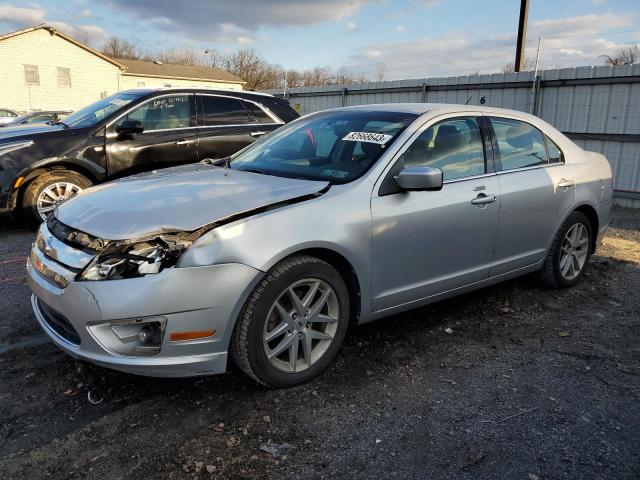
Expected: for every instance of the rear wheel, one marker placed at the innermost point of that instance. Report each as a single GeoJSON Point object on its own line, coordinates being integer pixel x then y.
{"type": "Point", "coordinates": [293, 324]}
{"type": "Point", "coordinates": [49, 190]}
{"type": "Point", "coordinates": [569, 254]}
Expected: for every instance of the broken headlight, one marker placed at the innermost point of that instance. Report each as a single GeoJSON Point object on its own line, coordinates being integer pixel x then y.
{"type": "Point", "coordinates": [129, 260]}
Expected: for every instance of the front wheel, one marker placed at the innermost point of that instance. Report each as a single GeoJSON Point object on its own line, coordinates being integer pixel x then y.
{"type": "Point", "coordinates": [569, 254]}
{"type": "Point", "coordinates": [293, 324]}
{"type": "Point", "coordinates": [49, 190]}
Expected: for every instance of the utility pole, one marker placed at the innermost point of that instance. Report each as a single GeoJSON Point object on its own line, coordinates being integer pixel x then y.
{"type": "Point", "coordinates": [522, 35]}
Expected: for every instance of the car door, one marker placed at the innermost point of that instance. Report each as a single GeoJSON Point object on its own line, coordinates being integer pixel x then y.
{"type": "Point", "coordinates": [228, 124]}
{"type": "Point", "coordinates": [428, 242]}
{"type": "Point", "coordinates": [536, 191]}
{"type": "Point", "coordinates": [169, 137]}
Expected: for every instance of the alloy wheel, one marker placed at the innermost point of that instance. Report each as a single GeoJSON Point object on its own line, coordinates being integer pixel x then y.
{"type": "Point", "coordinates": [574, 251]}
{"type": "Point", "coordinates": [54, 195]}
{"type": "Point", "coordinates": [301, 325]}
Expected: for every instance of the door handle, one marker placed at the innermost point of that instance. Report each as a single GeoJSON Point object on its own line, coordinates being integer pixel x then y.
{"type": "Point", "coordinates": [483, 199]}
{"type": "Point", "coordinates": [258, 134]}
{"type": "Point", "coordinates": [564, 183]}
{"type": "Point", "coordinates": [185, 142]}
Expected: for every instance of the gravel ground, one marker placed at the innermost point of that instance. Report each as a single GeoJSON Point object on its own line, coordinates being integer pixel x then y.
{"type": "Point", "coordinates": [508, 382]}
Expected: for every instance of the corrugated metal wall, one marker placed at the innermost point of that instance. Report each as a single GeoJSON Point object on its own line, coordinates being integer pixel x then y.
{"type": "Point", "coordinates": [599, 107]}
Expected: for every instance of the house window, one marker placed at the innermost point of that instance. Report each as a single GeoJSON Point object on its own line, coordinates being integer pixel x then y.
{"type": "Point", "coordinates": [141, 84]}
{"type": "Point", "coordinates": [64, 77]}
{"type": "Point", "coordinates": [31, 75]}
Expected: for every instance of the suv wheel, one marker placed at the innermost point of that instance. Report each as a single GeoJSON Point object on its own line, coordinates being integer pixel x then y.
{"type": "Point", "coordinates": [293, 324]}
{"type": "Point", "coordinates": [51, 189]}
{"type": "Point", "coordinates": [569, 254]}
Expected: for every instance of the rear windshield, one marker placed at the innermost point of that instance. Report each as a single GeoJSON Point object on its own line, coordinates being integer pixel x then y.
{"type": "Point", "coordinates": [336, 146]}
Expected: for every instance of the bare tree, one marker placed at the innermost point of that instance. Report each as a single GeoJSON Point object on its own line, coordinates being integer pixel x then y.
{"type": "Point", "coordinates": [253, 69]}
{"type": "Point", "coordinates": [529, 64]}
{"type": "Point", "coordinates": [82, 37]}
{"type": "Point", "coordinates": [624, 56]}
{"type": "Point", "coordinates": [183, 56]}
{"type": "Point", "coordinates": [117, 48]}
{"type": "Point", "coordinates": [381, 72]}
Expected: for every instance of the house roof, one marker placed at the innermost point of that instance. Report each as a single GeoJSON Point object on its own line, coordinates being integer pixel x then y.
{"type": "Point", "coordinates": [53, 31]}
{"type": "Point", "coordinates": [184, 72]}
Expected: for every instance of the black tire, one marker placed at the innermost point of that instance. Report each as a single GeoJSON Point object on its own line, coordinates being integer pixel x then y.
{"type": "Point", "coordinates": [550, 274]}
{"type": "Point", "coordinates": [35, 188]}
{"type": "Point", "coordinates": [246, 346]}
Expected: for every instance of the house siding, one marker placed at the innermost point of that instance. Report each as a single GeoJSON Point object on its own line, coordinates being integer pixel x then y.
{"type": "Point", "coordinates": [90, 74]}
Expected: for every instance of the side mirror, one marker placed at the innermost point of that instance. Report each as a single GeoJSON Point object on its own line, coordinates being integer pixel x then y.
{"type": "Point", "coordinates": [419, 178]}
{"type": "Point", "coordinates": [129, 127]}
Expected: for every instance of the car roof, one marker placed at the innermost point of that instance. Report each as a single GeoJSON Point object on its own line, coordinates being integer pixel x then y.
{"type": "Point", "coordinates": [221, 91]}
{"type": "Point", "coordinates": [421, 108]}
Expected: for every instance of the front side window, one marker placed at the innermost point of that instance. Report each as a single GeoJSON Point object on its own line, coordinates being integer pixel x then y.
{"type": "Point", "coordinates": [64, 77]}
{"type": "Point", "coordinates": [520, 145]}
{"type": "Point", "coordinates": [42, 118]}
{"type": "Point", "coordinates": [332, 146]}
{"type": "Point", "coordinates": [162, 113]}
{"type": "Point", "coordinates": [217, 111]}
{"type": "Point", "coordinates": [454, 146]}
{"type": "Point", "coordinates": [31, 75]}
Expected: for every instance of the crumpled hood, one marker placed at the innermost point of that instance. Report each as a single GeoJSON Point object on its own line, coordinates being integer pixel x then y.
{"type": "Point", "coordinates": [175, 199]}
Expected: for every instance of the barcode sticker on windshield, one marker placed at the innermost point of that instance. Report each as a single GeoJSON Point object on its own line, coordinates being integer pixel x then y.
{"type": "Point", "coordinates": [369, 137]}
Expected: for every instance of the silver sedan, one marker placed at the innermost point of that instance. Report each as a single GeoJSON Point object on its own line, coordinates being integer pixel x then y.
{"type": "Point", "coordinates": [339, 218]}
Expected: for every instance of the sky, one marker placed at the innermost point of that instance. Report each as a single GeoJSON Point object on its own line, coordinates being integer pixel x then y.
{"type": "Point", "coordinates": [403, 38]}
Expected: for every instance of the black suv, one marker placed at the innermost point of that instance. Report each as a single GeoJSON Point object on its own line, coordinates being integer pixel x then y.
{"type": "Point", "coordinates": [126, 133]}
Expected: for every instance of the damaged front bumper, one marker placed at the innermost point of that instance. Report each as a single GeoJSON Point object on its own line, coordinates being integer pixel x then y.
{"type": "Point", "coordinates": [86, 319]}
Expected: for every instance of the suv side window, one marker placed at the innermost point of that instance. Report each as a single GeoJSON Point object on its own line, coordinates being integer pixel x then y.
{"type": "Point", "coordinates": [256, 114]}
{"type": "Point", "coordinates": [521, 145]}
{"type": "Point", "coordinates": [222, 111]}
{"type": "Point", "coordinates": [454, 146]}
{"type": "Point", "coordinates": [173, 111]}
{"type": "Point", "coordinates": [45, 117]}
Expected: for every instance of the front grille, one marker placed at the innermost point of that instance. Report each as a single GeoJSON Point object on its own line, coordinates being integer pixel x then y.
{"type": "Point", "coordinates": [59, 323]}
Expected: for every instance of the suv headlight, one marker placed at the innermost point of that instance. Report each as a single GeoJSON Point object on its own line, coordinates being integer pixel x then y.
{"type": "Point", "coordinates": [129, 259]}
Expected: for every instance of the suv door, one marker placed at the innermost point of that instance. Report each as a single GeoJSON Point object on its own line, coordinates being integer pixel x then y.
{"type": "Point", "coordinates": [169, 137]}
{"type": "Point", "coordinates": [228, 124]}
{"type": "Point", "coordinates": [428, 242]}
{"type": "Point", "coordinates": [536, 192]}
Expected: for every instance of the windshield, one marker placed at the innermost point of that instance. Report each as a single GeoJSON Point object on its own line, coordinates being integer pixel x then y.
{"type": "Point", "coordinates": [336, 146]}
{"type": "Point", "coordinates": [89, 116]}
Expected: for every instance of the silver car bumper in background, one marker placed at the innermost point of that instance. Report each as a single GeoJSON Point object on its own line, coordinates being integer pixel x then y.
{"type": "Point", "coordinates": [98, 321]}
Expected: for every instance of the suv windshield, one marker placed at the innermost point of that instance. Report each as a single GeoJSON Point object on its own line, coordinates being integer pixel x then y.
{"type": "Point", "coordinates": [333, 146]}
{"type": "Point", "coordinates": [89, 116]}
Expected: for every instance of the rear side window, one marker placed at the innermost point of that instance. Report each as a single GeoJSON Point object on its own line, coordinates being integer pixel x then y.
{"type": "Point", "coordinates": [222, 111]}
{"type": "Point", "coordinates": [454, 146]}
{"type": "Point", "coordinates": [256, 114]}
{"type": "Point", "coordinates": [521, 145]}
{"type": "Point", "coordinates": [555, 154]}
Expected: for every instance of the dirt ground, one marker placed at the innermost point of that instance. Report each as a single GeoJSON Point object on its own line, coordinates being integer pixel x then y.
{"type": "Point", "coordinates": [511, 381]}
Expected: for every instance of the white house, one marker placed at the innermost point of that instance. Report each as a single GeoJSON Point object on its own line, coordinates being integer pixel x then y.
{"type": "Point", "coordinates": [44, 69]}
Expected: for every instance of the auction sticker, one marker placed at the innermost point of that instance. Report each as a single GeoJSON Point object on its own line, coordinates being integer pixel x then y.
{"type": "Point", "coordinates": [369, 137]}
